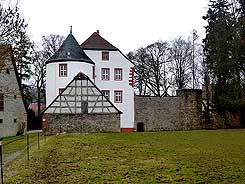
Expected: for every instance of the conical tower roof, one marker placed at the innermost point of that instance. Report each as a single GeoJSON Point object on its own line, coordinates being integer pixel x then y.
{"type": "Point", "coordinates": [70, 50]}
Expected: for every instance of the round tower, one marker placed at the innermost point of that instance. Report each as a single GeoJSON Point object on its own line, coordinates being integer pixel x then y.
{"type": "Point", "coordinates": [64, 65]}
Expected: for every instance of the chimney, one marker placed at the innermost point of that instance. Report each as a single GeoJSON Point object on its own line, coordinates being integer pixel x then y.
{"type": "Point", "coordinates": [70, 29]}
{"type": "Point", "coordinates": [98, 31]}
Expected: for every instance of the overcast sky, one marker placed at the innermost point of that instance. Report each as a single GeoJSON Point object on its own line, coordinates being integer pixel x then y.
{"type": "Point", "coordinates": [127, 24]}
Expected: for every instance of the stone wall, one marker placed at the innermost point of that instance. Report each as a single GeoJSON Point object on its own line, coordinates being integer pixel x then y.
{"type": "Point", "coordinates": [190, 109]}
{"type": "Point", "coordinates": [81, 123]}
{"type": "Point", "coordinates": [182, 112]}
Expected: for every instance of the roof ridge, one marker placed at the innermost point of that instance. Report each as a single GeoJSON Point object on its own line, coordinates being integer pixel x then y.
{"type": "Point", "coordinates": [97, 42]}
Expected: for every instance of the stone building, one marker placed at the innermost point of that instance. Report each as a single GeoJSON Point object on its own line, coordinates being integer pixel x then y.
{"type": "Point", "coordinates": [81, 107]}
{"type": "Point", "coordinates": [13, 115]}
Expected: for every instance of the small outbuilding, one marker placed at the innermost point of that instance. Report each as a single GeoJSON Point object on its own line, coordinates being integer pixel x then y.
{"type": "Point", "coordinates": [81, 107]}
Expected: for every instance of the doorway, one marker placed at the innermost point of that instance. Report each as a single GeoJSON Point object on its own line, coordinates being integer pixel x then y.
{"type": "Point", "coordinates": [140, 127]}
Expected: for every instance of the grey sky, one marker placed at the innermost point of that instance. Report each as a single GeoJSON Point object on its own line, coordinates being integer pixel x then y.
{"type": "Point", "coordinates": [127, 24]}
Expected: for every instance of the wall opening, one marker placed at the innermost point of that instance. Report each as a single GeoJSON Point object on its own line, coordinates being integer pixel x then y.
{"type": "Point", "coordinates": [140, 127]}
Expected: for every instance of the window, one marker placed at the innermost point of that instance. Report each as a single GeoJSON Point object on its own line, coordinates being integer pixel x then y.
{"type": "Point", "coordinates": [61, 90]}
{"type": "Point", "coordinates": [1, 120]}
{"type": "Point", "coordinates": [105, 74]}
{"type": "Point", "coordinates": [118, 74]}
{"type": "Point", "coordinates": [63, 70]}
{"type": "Point", "coordinates": [118, 96]}
{"type": "Point", "coordinates": [15, 96]}
{"type": "Point", "coordinates": [93, 72]}
{"type": "Point", "coordinates": [105, 56]}
{"type": "Point", "coordinates": [15, 120]}
{"type": "Point", "coordinates": [106, 93]}
{"type": "Point", "coordinates": [1, 102]}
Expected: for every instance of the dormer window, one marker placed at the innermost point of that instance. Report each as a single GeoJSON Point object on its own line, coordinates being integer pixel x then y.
{"type": "Point", "coordinates": [105, 56]}
{"type": "Point", "coordinates": [63, 70]}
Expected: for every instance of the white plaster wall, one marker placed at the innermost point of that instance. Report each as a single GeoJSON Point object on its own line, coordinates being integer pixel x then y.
{"type": "Point", "coordinates": [13, 107]}
{"type": "Point", "coordinates": [54, 82]}
{"type": "Point", "coordinates": [116, 60]}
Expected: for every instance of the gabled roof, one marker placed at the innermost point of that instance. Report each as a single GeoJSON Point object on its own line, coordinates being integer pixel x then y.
{"type": "Point", "coordinates": [81, 96]}
{"type": "Point", "coordinates": [97, 42]}
{"type": "Point", "coordinates": [70, 50]}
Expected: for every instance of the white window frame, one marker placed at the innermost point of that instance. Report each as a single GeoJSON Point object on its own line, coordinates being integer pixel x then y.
{"type": "Point", "coordinates": [118, 74]}
{"type": "Point", "coordinates": [105, 74]}
{"type": "Point", "coordinates": [63, 70]}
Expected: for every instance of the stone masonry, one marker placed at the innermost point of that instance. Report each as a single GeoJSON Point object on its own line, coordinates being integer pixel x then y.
{"type": "Point", "coordinates": [81, 123]}
{"type": "Point", "coordinates": [182, 112]}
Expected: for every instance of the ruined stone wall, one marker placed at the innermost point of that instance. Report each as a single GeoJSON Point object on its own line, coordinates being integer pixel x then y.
{"type": "Point", "coordinates": [182, 112]}
{"type": "Point", "coordinates": [157, 113]}
{"type": "Point", "coordinates": [190, 109]}
{"type": "Point", "coordinates": [81, 123]}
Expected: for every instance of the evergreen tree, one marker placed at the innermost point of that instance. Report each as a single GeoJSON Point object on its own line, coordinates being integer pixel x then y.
{"type": "Point", "coordinates": [218, 49]}
{"type": "Point", "coordinates": [242, 40]}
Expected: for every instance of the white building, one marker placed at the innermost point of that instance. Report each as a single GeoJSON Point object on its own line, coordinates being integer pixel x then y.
{"type": "Point", "coordinates": [103, 63]}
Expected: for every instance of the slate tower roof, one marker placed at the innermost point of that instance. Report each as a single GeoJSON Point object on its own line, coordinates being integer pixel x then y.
{"type": "Point", "coordinates": [97, 42]}
{"type": "Point", "coordinates": [70, 50]}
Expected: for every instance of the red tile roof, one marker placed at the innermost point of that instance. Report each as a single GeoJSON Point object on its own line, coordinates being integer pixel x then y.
{"type": "Point", "coordinates": [96, 42]}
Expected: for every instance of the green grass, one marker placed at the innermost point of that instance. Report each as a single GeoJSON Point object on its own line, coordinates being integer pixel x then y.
{"type": "Point", "coordinates": [17, 143]}
{"type": "Point", "coordinates": [164, 157]}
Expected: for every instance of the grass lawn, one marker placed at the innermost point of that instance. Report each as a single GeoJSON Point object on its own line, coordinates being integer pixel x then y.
{"type": "Point", "coordinates": [163, 157]}
{"type": "Point", "coordinates": [17, 143]}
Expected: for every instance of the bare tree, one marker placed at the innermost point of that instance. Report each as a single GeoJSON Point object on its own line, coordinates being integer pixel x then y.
{"type": "Point", "coordinates": [38, 75]}
{"type": "Point", "coordinates": [151, 69]}
{"type": "Point", "coordinates": [13, 32]}
{"type": "Point", "coordinates": [139, 58]}
{"type": "Point", "coordinates": [162, 67]}
{"type": "Point", "coordinates": [51, 44]}
{"type": "Point", "coordinates": [180, 56]}
{"type": "Point", "coordinates": [156, 66]}
{"type": "Point", "coordinates": [197, 60]}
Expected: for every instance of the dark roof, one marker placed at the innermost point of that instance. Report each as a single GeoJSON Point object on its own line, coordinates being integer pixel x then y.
{"type": "Point", "coordinates": [70, 50]}
{"type": "Point", "coordinates": [96, 42]}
